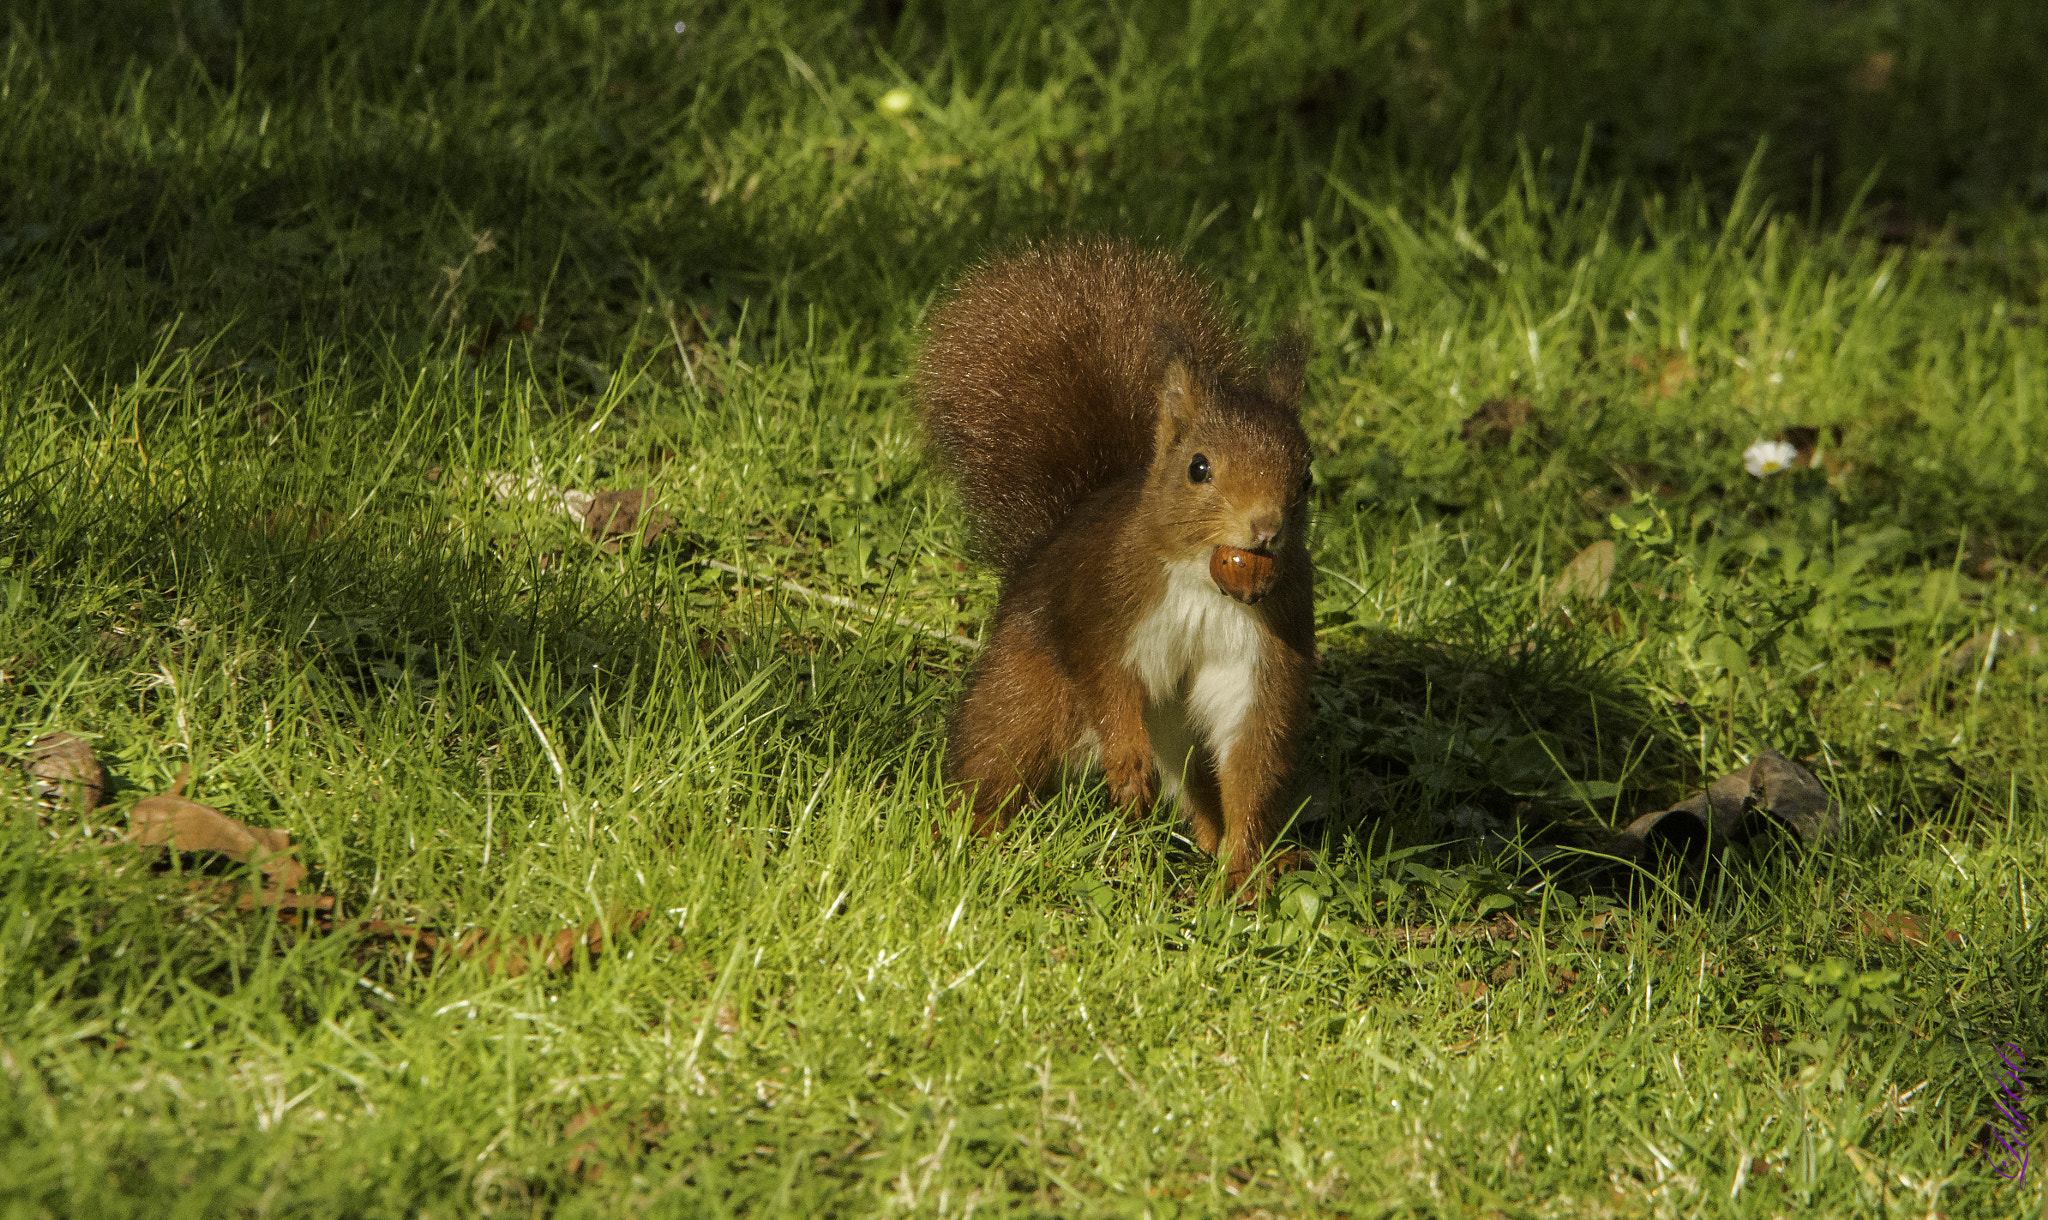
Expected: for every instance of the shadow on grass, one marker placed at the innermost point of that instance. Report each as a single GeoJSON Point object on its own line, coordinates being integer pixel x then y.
{"type": "Point", "coordinates": [1534, 752]}
{"type": "Point", "coordinates": [325, 173]}
{"type": "Point", "coordinates": [1487, 742]}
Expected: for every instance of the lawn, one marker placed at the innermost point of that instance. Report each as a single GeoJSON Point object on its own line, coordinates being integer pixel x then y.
{"type": "Point", "coordinates": [628, 881]}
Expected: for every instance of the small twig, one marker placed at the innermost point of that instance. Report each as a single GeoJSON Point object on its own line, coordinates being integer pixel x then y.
{"type": "Point", "coordinates": [846, 603]}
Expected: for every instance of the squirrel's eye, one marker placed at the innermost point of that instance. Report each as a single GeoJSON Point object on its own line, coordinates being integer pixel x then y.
{"type": "Point", "coordinates": [1198, 470]}
{"type": "Point", "coordinates": [1308, 481]}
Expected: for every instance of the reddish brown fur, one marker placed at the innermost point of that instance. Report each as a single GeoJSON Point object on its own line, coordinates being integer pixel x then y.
{"type": "Point", "coordinates": [1067, 390]}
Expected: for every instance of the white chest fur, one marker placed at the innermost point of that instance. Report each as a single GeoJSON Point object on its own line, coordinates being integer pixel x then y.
{"type": "Point", "coordinates": [1197, 654]}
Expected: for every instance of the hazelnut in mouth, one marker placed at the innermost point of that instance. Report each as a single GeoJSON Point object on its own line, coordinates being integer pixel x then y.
{"type": "Point", "coordinates": [1244, 575]}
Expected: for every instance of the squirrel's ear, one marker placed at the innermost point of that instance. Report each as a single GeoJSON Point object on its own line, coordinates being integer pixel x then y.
{"type": "Point", "coordinates": [1285, 361]}
{"type": "Point", "coordinates": [1176, 402]}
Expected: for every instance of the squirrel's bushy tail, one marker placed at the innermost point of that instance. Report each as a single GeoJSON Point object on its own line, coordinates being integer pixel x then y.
{"type": "Point", "coordinates": [1040, 380]}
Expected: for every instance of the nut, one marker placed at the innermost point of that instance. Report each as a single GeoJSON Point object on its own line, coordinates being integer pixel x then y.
{"type": "Point", "coordinates": [1244, 575]}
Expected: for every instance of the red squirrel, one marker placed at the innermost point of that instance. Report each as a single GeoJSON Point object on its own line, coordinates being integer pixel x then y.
{"type": "Point", "coordinates": [1109, 435]}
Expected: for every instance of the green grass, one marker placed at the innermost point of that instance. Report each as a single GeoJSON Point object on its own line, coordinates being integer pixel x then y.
{"type": "Point", "coordinates": [261, 289]}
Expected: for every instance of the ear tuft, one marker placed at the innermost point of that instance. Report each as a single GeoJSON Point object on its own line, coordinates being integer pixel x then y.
{"type": "Point", "coordinates": [1285, 362]}
{"type": "Point", "coordinates": [1176, 388]}
{"type": "Point", "coordinates": [1176, 402]}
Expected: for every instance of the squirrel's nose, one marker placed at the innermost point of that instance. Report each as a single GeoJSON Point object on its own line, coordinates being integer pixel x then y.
{"type": "Point", "coordinates": [1266, 527]}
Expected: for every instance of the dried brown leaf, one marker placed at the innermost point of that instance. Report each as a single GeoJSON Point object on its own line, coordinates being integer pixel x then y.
{"type": "Point", "coordinates": [644, 1132]}
{"type": "Point", "coordinates": [1587, 577]}
{"type": "Point", "coordinates": [1668, 375]}
{"type": "Point", "coordinates": [1893, 926]}
{"type": "Point", "coordinates": [1495, 421]}
{"type": "Point", "coordinates": [1804, 440]}
{"type": "Point", "coordinates": [268, 896]}
{"type": "Point", "coordinates": [296, 521]}
{"type": "Point", "coordinates": [584, 1119]}
{"type": "Point", "coordinates": [624, 513]}
{"type": "Point", "coordinates": [63, 770]}
{"type": "Point", "coordinates": [1873, 75]}
{"type": "Point", "coordinates": [172, 821]}
{"type": "Point", "coordinates": [516, 956]}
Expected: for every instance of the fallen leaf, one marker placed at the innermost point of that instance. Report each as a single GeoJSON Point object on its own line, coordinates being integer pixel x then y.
{"type": "Point", "coordinates": [645, 1132]}
{"type": "Point", "coordinates": [1804, 440]}
{"type": "Point", "coordinates": [1771, 784]}
{"type": "Point", "coordinates": [616, 515]}
{"type": "Point", "coordinates": [268, 896]}
{"type": "Point", "coordinates": [1893, 927]}
{"type": "Point", "coordinates": [297, 522]}
{"type": "Point", "coordinates": [1670, 376]}
{"type": "Point", "coordinates": [508, 487]}
{"type": "Point", "coordinates": [62, 769]}
{"type": "Point", "coordinates": [1495, 421]}
{"type": "Point", "coordinates": [1874, 74]}
{"type": "Point", "coordinates": [584, 1119]}
{"type": "Point", "coordinates": [1601, 931]}
{"type": "Point", "coordinates": [1472, 989]}
{"type": "Point", "coordinates": [1586, 578]}
{"type": "Point", "coordinates": [172, 821]}
{"type": "Point", "coordinates": [514, 957]}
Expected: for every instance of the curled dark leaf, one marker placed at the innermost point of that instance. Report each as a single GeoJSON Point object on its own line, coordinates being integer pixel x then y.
{"type": "Point", "coordinates": [63, 770]}
{"type": "Point", "coordinates": [616, 515]}
{"type": "Point", "coordinates": [1772, 785]}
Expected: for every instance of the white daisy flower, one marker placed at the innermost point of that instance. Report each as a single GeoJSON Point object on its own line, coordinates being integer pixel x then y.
{"type": "Point", "coordinates": [1768, 457]}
